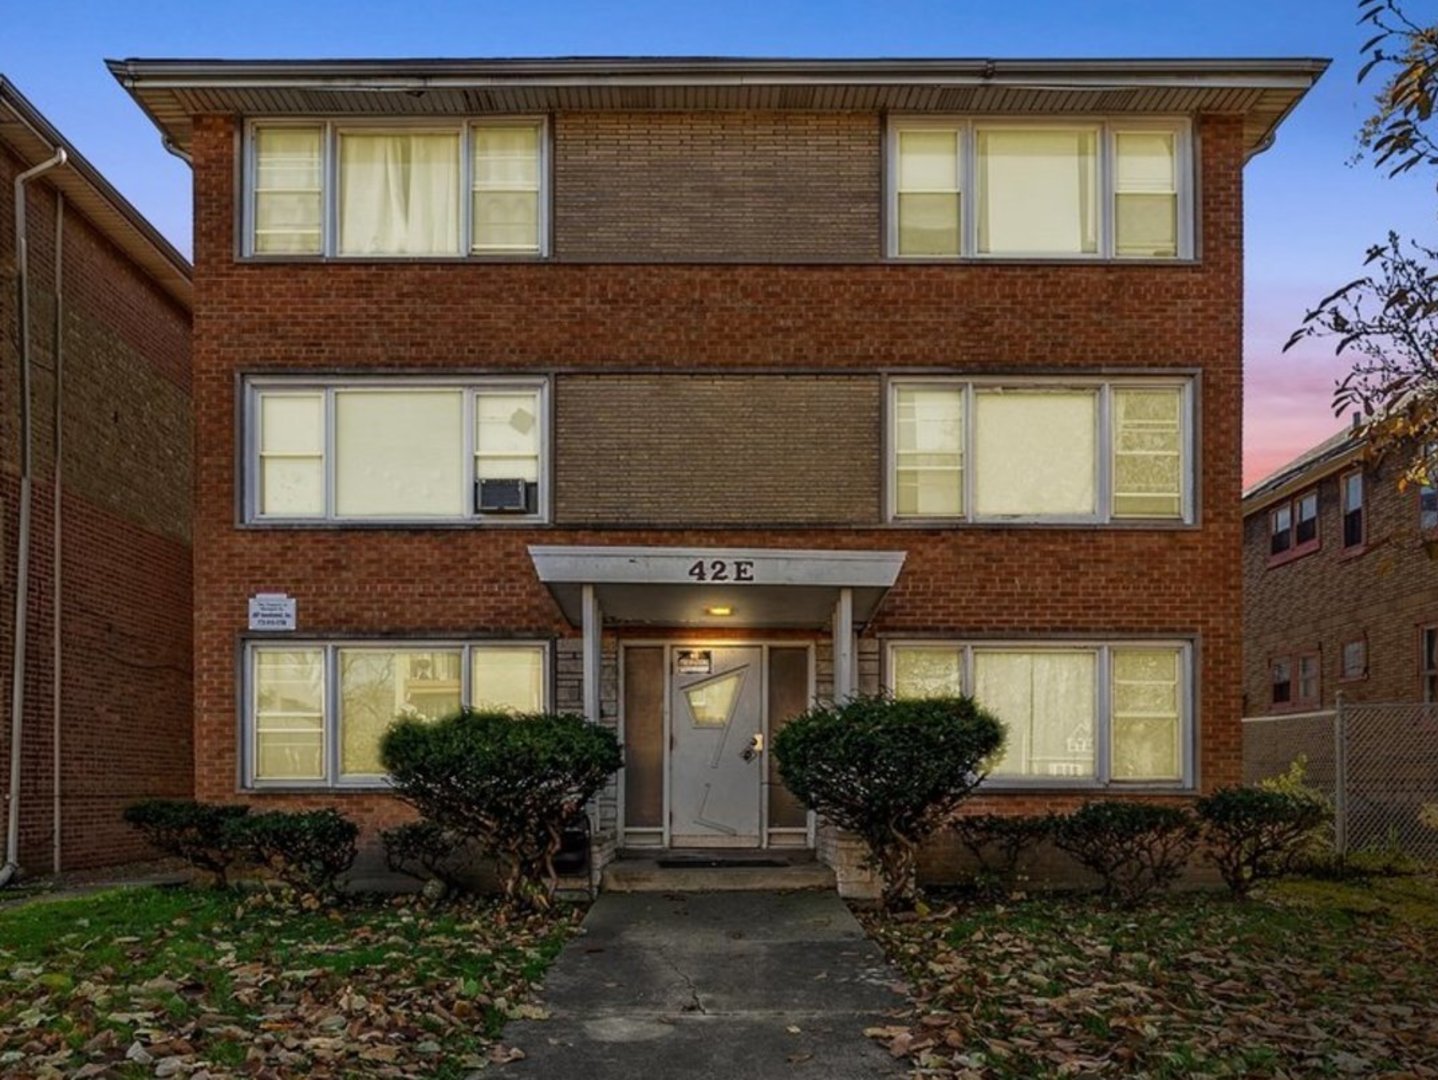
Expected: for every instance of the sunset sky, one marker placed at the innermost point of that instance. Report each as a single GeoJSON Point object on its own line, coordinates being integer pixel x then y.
{"type": "Point", "coordinates": [1311, 212]}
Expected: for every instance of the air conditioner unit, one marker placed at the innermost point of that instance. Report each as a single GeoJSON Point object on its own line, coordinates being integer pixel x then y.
{"type": "Point", "coordinates": [503, 496]}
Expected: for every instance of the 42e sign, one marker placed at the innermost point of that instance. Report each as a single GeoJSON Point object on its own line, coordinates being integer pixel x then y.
{"type": "Point", "coordinates": [712, 570]}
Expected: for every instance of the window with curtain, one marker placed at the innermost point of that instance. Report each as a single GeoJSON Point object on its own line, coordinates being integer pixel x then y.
{"type": "Point", "coordinates": [928, 451]}
{"type": "Point", "coordinates": [506, 188]}
{"type": "Point", "coordinates": [929, 202]}
{"type": "Point", "coordinates": [288, 190]}
{"type": "Point", "coordinates": [1352, 487]}
{"type": "Point", "coordinates": [1148, 464]}
{"type": "Point", "coordinates": [1147, 721]}
{"type": "Point", "coordinates": [289, 714]}
{"type": "Point", "coordinates": [1057, 188]}
{"type": "Point", "coordinates": [1058, 713]}
{"type": "Point", "coordinates": [301, 734]}
{"type": "Point", "coordinates": [1037, 191]}
{"type": "Point", "coordinates": [377, 686]}
{"type": "Point", "coordinates": [398, 193]}
{"type": "Point", "coordinates": [1035, 452]}
{"type": "Point", "coordinates": [399, 453]}
{"type": "Point", "coordinates": [1145, 194]}
{"type": "Point", "coordinates": [391, 449]}
{"type": "Point", "coordinates": [333, 189]}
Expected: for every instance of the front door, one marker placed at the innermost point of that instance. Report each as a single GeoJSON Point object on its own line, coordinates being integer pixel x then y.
{"type": "Point", "coordinates": [716, 755]}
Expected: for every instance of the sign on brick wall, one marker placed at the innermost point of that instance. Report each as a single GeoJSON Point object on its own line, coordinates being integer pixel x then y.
{"type": "Point", "coordinates": [272, 611]}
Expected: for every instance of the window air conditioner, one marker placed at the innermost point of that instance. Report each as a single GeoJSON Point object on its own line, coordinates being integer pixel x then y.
{"type": "Point", "coordinates": [503, 496]}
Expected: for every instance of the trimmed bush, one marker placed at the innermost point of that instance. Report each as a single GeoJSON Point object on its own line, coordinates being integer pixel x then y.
{"type": "Point", "coordinates": [308, 850]}
{"type": "Point", "coordinates": [508, 782]}
{"type": "Point", "coordinates": [426, 852]}
{"type": "Point", "coordinates": [891, 771]}
{"type": "Point", "coordinates": [1257, 833]}
{"type": "Point", "coordinates": [199, 833]}
{"type": "Point", "coordinates": [997, 842]}
{"type": "Point", "coordinates": [1135, 848]}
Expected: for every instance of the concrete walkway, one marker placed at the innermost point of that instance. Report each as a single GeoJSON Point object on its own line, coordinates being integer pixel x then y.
{"type": "Point", "coordinates": [712, 985]}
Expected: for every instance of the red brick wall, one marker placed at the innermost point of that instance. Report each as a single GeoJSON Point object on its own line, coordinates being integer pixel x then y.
{"type": "Point", "coordinates": [1383, 593]}
{"type": "Point", "coordinates": [126, 631]}
{"type": "Point", "coordinates": [536, 318]}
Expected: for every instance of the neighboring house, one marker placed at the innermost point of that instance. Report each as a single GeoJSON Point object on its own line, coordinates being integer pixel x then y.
{"type": "Point", "coordinates": [682, 392]}
{"type": "Point", "coordinates": [1340, 584]}
{"type": "Point", "coordinates": [106, 702]}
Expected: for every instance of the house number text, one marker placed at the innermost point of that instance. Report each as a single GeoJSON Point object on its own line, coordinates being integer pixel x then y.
{"type": "Point", "coordinates": [722, 570]}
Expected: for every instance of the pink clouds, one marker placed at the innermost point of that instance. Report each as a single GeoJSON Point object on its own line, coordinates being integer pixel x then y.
{"type": "Point", "coordinates": [1287, 406]}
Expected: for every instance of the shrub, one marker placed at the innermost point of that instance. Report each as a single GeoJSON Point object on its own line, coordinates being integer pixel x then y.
{"type": "Point", "coordinates": [890, 771]}
{"type": "Point", "coordinates": [508, 782]}
{"type": "Point", "coordinates": [1256, 833]}
{"type": "Point", "coordinates": [998, 841]}
{"type": "Point", "coordinates": [308, 850]}
{"type": "Point", "coordinates": [425, 851]}
{"type": "Point", "coordinates": [196, 832]}
{"type": "Point", "coordinates": [1135, 848]}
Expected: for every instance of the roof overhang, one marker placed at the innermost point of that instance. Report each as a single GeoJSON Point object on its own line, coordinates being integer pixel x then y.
{"type": "Point", "coordinates": [25, 130]}
{"type": "Point", "coordinates": [1328, 457]}
{"type": "Point", "coordinates": [172, 92]}
{"type": "Point", "coordinates": [761, 587]}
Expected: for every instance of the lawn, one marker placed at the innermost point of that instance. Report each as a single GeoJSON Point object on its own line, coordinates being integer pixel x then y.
{"type": "Point", "coordinates": [1309, 979]}
{"type": "Point", "coordinates": [151, 982]}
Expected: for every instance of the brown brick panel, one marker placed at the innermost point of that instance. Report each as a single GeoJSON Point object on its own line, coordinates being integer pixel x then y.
{"type": "Point", "coordinates": [697, 450]}
{"type": "Point", "coordinates": [702, 187]}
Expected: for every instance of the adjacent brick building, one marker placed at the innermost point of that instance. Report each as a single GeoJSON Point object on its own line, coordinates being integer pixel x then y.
{"type": "Point", "coordinates": [1340, 584]}
{"type": "Point", "coordinates": [109, 318]}
{"type": "Point", "coordinates": [685, 392]}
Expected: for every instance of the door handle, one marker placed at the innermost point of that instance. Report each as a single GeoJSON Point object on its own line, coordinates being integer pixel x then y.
{"type": "Point", "coordinates": [755, 747]}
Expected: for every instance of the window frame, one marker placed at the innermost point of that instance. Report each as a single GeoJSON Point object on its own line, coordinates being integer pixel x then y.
{"type": "Point", "coordinates": [1427, 676]}
{"type": "Point", "coordinates": [1297, 702]}
{"type": "Point", "coordinates": [967, 126]}
{"type": "Point", "coordinates": [333, 779]}
{"type": "Point", "coordinates": [1343, 673]}
{"type": "Point", "coordinates": [331, 127]}
{"type": "Point", "coordinates": [1103, 648]}
{"type": "Point", "coordinates": [1344, 510]}
{"type": "Point", "coordinates": [1295, 550]}
{"type": "Point", "coordinates": [1103, 386]}
{"type": "Point", "coordinates": [254, 386]}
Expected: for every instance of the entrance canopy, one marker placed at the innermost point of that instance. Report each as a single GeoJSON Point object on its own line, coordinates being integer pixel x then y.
{"type": "Point", "coordinates": [714, 587]}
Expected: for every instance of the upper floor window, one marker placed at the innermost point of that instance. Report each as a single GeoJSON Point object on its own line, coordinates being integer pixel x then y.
{"type": "Point", "coordinates": [1085, 714]}
{"type": "Point", "coordinates": [1294, 680]}
{"type": "Point", "coordinates": [1351, 485]}
{"type": "Point", "coordinates": [1428, 662]}
{"type": "Point", "coordinates": [357, 190]}
{"type": "Point", "coordinates": [1293, 527]}
{"type": "Point", "coordinates": [1428, 494]}
{"type": "Point", "coordinates": [396, 450]}
{"type": "Point", "coordinates": [1046, 189]}
{"type": "Point", "coordinates": [1040, 451]}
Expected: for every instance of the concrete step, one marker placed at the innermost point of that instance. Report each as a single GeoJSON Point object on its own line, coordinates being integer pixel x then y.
{"type": "Point", "coordinates": [635, 875]}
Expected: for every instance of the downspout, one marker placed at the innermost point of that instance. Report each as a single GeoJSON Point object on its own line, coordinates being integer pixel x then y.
{"type": "Point", "coordinates": [57, 657]}
{"type": "Point", "coordinates": [22, 550]}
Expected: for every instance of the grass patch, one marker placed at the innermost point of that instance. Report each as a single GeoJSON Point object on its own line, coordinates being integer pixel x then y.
{"type": "Point", "coordinates": [1311, 978]}
{"type": "Point", "coordinates": [116, 982]}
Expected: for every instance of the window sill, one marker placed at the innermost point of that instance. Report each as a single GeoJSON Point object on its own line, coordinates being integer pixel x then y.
{"type": "Point", "coordinates": [1353, 552]}
{"type": "Point", "coordinates": [1038, 785]}
{"type": "Point", "coordinates": [1350, 679]}
{"type": "Point", "coordinates": [1293, 554]}
{"type": "Point", "coordinates": [398, 525]}
{"type": "Point", "coordinates": [1042, 260]}
{"type": "Point", "coordinates": [1117, 524]}
{"type": "Point", "coordinates": [371, 260]}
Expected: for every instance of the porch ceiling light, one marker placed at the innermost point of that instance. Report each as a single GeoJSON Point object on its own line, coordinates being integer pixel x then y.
{"type": "Point", "coordinates": [719, 609]}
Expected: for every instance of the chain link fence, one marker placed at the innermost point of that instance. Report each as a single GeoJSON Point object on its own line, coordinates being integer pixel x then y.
{"type": "Point", "coordinates": [1378, 763]}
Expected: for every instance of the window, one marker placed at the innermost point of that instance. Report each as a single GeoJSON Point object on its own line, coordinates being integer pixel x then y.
{"type": "Point", "coordinates": [1428, 663]}
{"type": "Point", "coordinates": [395, 450]}
{"type": "Point", "coordinates": [1080, 714]}
{"type": "Point", "coordinates": [1294, 680]}
{"type": "Point", "coordinates": [317, 712]}
{"type": "Point", "coordinates": [357, 191]}
{"type": "Point", "coordinates": [1428, 494]}
{"type": "Point", "coordinates": [1355, 659]}
{"type": "Point", "coordinates": [1293, 527]}
{"type": "Point", "coordinates": [1351, 485]}
{"type": "Point", "coordinates": [1048, 189]}
{"type": "Point", "coordinates": [1040, 451]}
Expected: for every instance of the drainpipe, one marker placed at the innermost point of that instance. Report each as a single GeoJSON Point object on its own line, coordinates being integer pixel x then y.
{"type": "Point", "coordinates": [22, 551]}
{"type": "Point", "coordinates": [172, 147]}
{"type": "Point", "coordinates": [56, 683]}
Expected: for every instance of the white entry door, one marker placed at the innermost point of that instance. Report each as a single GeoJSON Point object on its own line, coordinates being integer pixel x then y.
{"type": "Point", "coordinates": [717, 753]}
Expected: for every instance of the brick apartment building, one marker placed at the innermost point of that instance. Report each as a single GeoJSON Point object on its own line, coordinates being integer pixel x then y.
{"type": "Point", "coordinates": [1340, 584]}
{"type": "Point", "coordinates": [106, 706]}
{"type": "Point", "coordinates": [683, 392]}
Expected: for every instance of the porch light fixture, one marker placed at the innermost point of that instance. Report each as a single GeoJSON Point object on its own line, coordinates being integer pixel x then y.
{"type": "Point", "coordinates": [719, 609]}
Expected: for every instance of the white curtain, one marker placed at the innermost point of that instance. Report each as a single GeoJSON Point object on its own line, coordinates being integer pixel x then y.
{"type": "Point", "coordinates": [1035, 453]}
{"type": "Point", "coordinates": [399, 453]}
{"type": "Point", "coordinates": [508, 677]}
{"type": "Point", "coordinates": [928, 192]}
{"type": "Point", "coordinates": [1038, 191]}
{"type": "Point", "coordinates": [292, 472]}
{"type": "Point", "coordinates": [399, 194]}
{"type": "Point", "coordinates": [1046, 701]}
{"type": "Point", "coordinates": [923, 671]}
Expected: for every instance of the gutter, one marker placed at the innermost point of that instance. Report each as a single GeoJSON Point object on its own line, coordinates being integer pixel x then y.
{"type": "Point", "coordinates": [22, 555]}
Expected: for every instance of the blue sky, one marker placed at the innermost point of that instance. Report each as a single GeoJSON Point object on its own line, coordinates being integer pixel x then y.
{"type": "Point", "coordinates": [1310, 213]}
